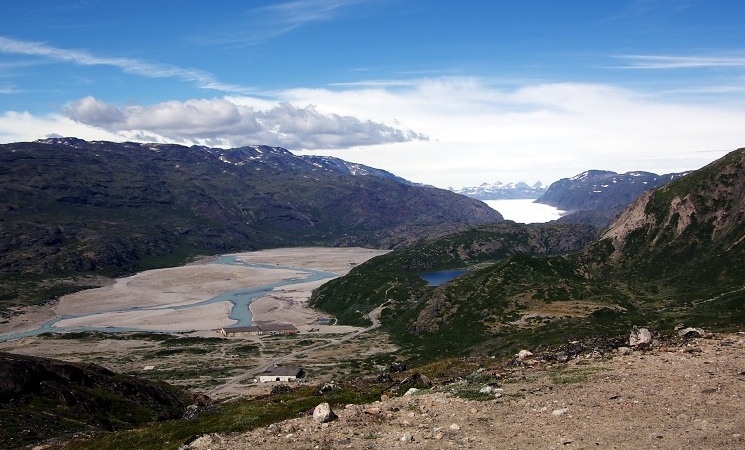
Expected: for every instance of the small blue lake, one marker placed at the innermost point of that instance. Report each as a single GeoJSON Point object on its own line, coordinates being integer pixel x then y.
{"type": "Point", "coordinates": [437, 278]}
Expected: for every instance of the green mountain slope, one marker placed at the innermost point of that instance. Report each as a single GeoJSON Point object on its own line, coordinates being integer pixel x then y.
{"type": "Point", "coordinates": [394, 278]}
{"type": "Point", "coordinates": [674, 255]}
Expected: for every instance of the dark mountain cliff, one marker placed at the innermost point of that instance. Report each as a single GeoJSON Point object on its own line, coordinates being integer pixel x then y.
{"type": "Point", "coordinates": [71, 207]}
{"type": "Point", "coordinates": [595, 197]}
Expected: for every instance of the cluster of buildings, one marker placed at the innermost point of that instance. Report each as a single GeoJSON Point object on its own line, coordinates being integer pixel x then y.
{"type": "Point", "coordinates": [275, 373]}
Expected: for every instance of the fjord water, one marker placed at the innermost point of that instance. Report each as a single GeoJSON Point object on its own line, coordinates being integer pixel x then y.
{"type": "Point", "coordinates": [525, 211]}
{"type": "Point", "coordinates": [517, 210]}
{"type": "Point", "coordinates": [437, 278]}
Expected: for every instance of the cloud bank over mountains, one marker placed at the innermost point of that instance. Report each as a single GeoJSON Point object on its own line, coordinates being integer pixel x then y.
{"type": "Point", "coordinates": [225, 123]}
{"type": "Point", "coordinates": [445, 131]}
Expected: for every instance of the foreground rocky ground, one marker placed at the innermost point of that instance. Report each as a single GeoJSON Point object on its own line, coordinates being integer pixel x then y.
{"type": "Point", "coordinates": [678, 394]}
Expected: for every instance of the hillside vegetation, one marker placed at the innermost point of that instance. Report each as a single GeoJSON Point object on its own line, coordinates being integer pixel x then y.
{"type": "Point", "coordinates": [674, 255]}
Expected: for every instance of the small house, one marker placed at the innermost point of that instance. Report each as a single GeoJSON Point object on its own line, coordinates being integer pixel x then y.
{"type": "Point", "coordinates": [278, 373]}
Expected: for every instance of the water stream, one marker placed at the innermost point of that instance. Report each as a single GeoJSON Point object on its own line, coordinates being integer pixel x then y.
{"type": "Point", "coordinates": [240, 298]}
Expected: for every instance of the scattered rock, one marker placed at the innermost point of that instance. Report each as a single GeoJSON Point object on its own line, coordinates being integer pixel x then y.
{"type": "Point", "coordinates": [418, 380]}
{"type": "Point", "coordinates": [455, 427]}
{"type": "Point", "coordinates": [624, 350]}
{"type": "Point", "coordinates": [411, 391]}
{"type": "Point", "coordinates": [640, 337]}
{"type": "Point", "coordinates": [384, 377]}
{"type": "Point", "coordinates": [523, 354]}
{"type": "Point", "coordinates": [691, 333]}
{"type": "Point", "coordinates": [193, 411]}
{"type": "Point", "coordinates": [323, 413]}
{"type": "Point", "coordinates": [328, 387]}
{"type": "Point", "coordinates": [202, 400]}
{"type": "Point", "coordinates": [397, 367]}
{"type": "Point", "coordinates": [559, 412]}
{"type": "Point", "coordinates": [281, 389]}
{"type": "Point", "coordinates": [202, 442]}
{"type": "Point", "coordinates": [407, 437]}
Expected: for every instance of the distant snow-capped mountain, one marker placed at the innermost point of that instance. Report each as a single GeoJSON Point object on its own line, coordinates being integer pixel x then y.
{"type": "Point", "coordinates": [503, 191]}
{"type": "Point", "coordinates": [602, 189]}
{"type": "Point", "coordinates": [595, 197]}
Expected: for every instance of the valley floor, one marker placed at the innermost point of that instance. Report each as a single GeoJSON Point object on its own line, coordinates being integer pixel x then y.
{"type": "Point", "coordinates": [196, 356]}
{"type": "Point", "coordinates": [164, 299]}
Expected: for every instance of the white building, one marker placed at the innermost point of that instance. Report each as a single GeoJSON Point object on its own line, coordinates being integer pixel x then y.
{"type": "Point", "coordinates": [281, 374]}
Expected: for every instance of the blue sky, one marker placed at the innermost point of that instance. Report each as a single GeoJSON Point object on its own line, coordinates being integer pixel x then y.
{"type": "Point", "coordinates": [440, 92]}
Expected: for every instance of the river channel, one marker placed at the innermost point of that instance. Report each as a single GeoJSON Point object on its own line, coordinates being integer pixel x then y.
{"type": "Point", "coordinates": [239, 298]}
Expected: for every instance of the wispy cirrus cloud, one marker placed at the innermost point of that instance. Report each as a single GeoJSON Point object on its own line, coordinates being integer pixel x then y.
{"type": "Point", "coordinates": [259, 25]}
{"type": "Point", "coordinates": [681, 62]}
{"type": "Point", "coordinates": [299, 12]}
{"type": "Point", "coordinates": [132, 66]}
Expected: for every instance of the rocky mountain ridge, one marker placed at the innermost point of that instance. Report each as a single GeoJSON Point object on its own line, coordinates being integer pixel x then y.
{"type": "Point", "coordinates": [698, 220]}
{"type": "Point", "coordinates": [595, 197]}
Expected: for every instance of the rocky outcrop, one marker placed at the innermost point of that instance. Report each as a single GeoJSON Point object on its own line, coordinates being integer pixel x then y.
{"type": "Point", "coordinates": [323, 413]}
{"type": "Point", "coordinates": [640, 338]}
{"type": "Point", "coordinates": [693, 219]}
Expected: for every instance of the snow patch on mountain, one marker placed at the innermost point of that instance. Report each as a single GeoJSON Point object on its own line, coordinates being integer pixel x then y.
{"type": "Point", "coordinates": [503, 191]}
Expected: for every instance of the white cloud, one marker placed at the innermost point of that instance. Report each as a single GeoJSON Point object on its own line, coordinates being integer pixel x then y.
{"type": "Point", "coordinates": [200, 78]}
{"type": "Point", "coordinates": [215, 120]}
{"type": "Point", "coordinates": [23, 126]}
{"type": "Point", "coordinates": [261, 24]}
{"type": "Point", "coordinates": [681, 62]}
{"type": "Point", "coordinates": [477, 131]}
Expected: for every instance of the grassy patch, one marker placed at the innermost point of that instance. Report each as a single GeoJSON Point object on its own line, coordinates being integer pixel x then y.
{"type": "Point", "coordinates": [470, 391]}
{"type": "Point", "coordinates": [235, 417]}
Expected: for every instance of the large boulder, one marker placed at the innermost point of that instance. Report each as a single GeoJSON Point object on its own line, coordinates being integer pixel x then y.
{"type": "Point", "coordinates": [323, 413]}
{"type": "Point", "coordinates": [640, 338]}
